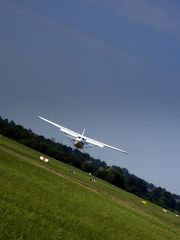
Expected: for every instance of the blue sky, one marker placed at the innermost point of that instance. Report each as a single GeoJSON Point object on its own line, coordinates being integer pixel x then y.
{"type": "Point", "coordinates": [109, 66]}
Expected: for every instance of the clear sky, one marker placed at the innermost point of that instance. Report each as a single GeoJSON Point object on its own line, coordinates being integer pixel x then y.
{"type": "Point", "coordinates": [110, 66]}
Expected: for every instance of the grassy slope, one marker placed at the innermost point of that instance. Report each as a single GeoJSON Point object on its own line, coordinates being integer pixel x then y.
{"type": "Point", "coordinates": [37, 203]}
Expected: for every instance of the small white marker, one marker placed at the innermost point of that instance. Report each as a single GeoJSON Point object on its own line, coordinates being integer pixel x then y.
{"type": "Point", "coordinates": [46, 160]}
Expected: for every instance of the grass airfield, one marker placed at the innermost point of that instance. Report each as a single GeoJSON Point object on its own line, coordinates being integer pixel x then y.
{"type": "Point", "coordinates": [41, 200]}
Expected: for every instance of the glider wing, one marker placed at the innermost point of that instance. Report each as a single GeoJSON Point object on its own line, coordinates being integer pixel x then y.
{"type": "Point", "coordinates": [100, 144]}
{"type": "Point", "coordinates": [66, 131]}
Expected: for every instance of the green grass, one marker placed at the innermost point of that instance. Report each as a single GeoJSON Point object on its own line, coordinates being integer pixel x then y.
{"type": "Point", "coordinates": [46, 201]}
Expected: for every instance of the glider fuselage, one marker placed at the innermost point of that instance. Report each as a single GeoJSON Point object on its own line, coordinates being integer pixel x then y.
{"type": "Point", "coordinates": [79, 144]}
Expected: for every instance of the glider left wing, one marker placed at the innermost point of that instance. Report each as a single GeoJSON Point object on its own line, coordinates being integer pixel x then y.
{"type": "Point", "coordinates": [100, 144]}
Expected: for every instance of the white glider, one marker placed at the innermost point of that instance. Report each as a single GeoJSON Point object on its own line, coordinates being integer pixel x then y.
{"type": "Point", "coordinates": [79, 140]}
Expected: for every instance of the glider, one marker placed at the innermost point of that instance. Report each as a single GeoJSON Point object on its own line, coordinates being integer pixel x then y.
{"type": "Point", "coordinates": [79, 140]}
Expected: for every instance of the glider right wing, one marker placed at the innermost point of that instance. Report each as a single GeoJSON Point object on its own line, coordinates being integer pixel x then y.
{"type": "Point", "coordinates": [66, 131]}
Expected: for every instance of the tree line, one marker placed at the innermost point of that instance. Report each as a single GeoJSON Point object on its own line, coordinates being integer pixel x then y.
{"type": "Point", "coordinates": [115, 175]}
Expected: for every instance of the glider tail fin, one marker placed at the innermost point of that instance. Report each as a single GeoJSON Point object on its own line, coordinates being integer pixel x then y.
{"type": "Point", "coordinates": [82, 134]}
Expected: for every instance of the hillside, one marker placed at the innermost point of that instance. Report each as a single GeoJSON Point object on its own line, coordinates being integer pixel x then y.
{"type": "Point", "coordinates": [46, 201]}
{"type": "Point", "coordinates": [117, 176]}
